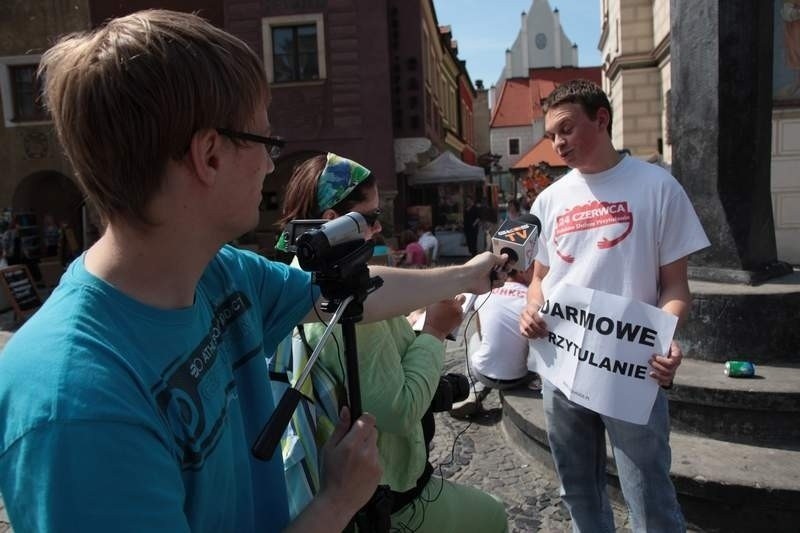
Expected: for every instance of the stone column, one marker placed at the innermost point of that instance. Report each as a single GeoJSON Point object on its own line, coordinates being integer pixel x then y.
{"type": "Point", "coordinates": [721, 109]}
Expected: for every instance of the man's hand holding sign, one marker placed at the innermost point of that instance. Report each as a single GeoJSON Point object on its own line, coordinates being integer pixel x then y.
{"type": "Point", "coordinates": [665, 366]}
{"type": "Point", "coordinates": [603, 351]}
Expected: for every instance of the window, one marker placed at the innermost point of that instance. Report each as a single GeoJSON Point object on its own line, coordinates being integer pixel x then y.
{"type": "Point", "coordinates": [513, 147]}
{"type": "Point", "coordinates": [294, 48]}
{"type": "Point", "coordinates": [294, 53]}
{"type": "Point", "coordinates": [20, 91]}
{"type": "Point", "coordinates": [25, 91]}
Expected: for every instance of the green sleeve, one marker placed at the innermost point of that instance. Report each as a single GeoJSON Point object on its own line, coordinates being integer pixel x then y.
{"type": "Point", "coordinates": [399, 371]}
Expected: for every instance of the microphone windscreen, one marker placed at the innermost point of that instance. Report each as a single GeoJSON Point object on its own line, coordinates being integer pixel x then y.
{"type": "Point", "coordinates": [517, 238]}
{"type": "Point", "coordinates": [512, 255]}
{"type": "Point", "coordinates": [531, 219]}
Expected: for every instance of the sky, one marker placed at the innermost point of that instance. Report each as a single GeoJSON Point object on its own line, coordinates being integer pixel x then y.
{"type": "Point", "coordinates": [484, 29]}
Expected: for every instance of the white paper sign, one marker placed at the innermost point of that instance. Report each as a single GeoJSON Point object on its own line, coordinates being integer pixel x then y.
{"type": "Point", "coordinates": [598, 349]}
{"type": "Point", "coordinates": [469, 302]}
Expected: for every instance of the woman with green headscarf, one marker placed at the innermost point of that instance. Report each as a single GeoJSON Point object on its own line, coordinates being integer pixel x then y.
{"type": "Point", "coordinates": [399, 370]}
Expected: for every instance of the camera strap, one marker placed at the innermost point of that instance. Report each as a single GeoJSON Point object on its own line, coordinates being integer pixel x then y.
{"type": "Point", "coordinates": [401, 499]}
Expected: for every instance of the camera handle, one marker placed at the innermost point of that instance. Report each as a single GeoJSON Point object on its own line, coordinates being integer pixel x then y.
{"type": "Point", "coordinates": [351, 364]}
{"type": "Point", "coordinates": [271, 434]}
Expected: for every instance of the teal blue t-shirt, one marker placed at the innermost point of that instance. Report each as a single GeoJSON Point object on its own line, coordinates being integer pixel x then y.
{"type": "Point", "coordinates": [116, 416]}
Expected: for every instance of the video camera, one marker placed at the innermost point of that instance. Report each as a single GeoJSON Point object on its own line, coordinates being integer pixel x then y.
{"type": "Point", "coordinates": [336, 252]}
{"type": "Point", "coordinates": [322, 245]}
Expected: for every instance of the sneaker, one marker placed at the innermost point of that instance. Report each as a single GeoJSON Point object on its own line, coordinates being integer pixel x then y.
{"type": "Point", "coordinates": [469, 406]}
{"type": "Point", "coordinates": [535, 384]}
{"type": "Point", "coordinates": [483, 393]}
{"type": "Point", "coordinates": [466, 408]}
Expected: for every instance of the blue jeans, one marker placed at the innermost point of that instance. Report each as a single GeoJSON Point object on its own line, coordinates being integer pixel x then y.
{"type": "Point", "coordinates": [642, 453]}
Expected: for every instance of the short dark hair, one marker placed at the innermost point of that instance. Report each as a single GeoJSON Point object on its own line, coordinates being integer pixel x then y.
{"type": "Point", "coordinates": [588, 94]}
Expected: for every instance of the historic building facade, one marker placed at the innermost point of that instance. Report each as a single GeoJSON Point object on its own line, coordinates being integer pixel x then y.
{"type": "Point", "coordinates": [35, 178]}
{"type": "Point", "coordinates": [635, 46]}
{"type": "Point", "coordinates": [634, 43]}
{"type": "Point", "coordinates": [375, 80]}
{"type": "Point", "coordinates": [541, 57]}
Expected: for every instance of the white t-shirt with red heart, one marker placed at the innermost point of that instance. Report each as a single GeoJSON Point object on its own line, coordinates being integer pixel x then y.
{"type": "Point", "coordinates": [613, 230]}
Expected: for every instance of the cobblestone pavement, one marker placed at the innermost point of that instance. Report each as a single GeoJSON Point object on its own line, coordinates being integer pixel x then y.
{"type": "Point", "coordinates": [481, 456]}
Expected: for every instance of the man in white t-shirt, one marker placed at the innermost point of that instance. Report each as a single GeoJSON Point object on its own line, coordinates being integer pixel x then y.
{"type": "Point", "coordinates": [497, 351]}
{"type": "Point", "coordinates": [623, 226]}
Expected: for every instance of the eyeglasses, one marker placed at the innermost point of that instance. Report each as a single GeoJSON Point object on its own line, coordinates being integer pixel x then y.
{"type": "Point", "coordinates": [372, 218]}
{"type": "Point", "coordinates": [272, 144]}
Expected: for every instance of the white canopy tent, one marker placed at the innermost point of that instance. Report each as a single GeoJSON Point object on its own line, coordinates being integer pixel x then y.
{"type": "Point", "coordinates": [446, 168]}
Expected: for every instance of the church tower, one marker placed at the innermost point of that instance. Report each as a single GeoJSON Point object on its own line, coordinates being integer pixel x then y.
{"type": "Point", "coordinates": [540, 43]}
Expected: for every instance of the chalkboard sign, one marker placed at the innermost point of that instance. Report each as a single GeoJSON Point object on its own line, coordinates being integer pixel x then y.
{"type": "Point", "coordinates": [21, 291]}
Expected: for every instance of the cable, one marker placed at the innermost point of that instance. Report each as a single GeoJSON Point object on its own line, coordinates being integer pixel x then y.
{"type": "Point", "coordinates": [423, 500]}
{"type": "Point", "coordinates": [335, 341]}
{"type": "Point", "coordinates": [466, 344]}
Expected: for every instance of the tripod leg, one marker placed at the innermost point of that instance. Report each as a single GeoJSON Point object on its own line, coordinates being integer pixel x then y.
{"type": "Point", "coordinates": [351, 363]}
{"type": "Point", "coordinates": [374, 517]}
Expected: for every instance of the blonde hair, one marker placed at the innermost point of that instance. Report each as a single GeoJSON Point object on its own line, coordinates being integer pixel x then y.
{"type": "Point", "coordinates": [127, 97]}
